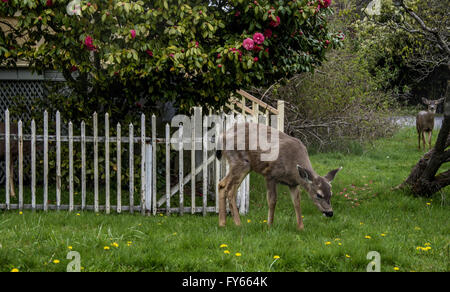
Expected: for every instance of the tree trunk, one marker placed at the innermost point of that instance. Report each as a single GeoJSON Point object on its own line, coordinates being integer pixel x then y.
{"type": "Point", "coordinates": [423, 181]}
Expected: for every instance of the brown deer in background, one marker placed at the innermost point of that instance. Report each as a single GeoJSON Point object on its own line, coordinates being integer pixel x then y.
{"type": "Point", "coordinates": [425, 120]}
{"type": "Point", "coordinates": [292, 167]}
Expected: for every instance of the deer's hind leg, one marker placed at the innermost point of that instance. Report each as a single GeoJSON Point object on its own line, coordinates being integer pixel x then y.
{"type": "Point", "coordinates": [227, 190]}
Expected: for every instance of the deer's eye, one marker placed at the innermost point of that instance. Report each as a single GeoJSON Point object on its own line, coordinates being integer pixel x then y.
{"type": "Point", "coordinates": [319, 196]}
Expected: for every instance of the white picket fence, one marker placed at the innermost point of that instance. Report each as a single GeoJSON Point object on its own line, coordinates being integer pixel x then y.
{"type": "Point", "coordinates": [211, 169]}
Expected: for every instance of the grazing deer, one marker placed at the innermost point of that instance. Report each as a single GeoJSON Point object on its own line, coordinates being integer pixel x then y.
{"type": "Point", "coordinates": [13, 152]}
{"type": "Point", "coordinates": [425, 120]}
{"type": "Point", "coordinates": [292, 167]}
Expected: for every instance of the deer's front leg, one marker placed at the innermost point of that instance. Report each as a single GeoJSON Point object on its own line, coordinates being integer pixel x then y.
{"type": "Point", "coordinates": [295, 196]}
{"type": "Point", "coordinates": [429, 138]}
{"type": "Point", "coordinates": [271, 200]}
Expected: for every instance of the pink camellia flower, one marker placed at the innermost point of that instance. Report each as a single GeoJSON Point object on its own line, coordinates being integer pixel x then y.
{"type": "Point", "coordinates": [248, 44]}
{"type": "Point", "coordinates": [89, 43]}
{"type": "Point", "coordinates": [73, 69]}
{"type": "Point", "coordinates": [268, 33]}
{"type": "Point", "coordinates": [324, 3]}
{"type": "Point", "coordinates": [255, 59]}
{"type": "Point", "coordinates": [133, 33]}
{"type": "Point", "coordinates": [275, 23]}
{"type": "Point", "coordinates": [150, 53]}
{"type": "Point", "coordinates": [258, 38]}
{"type": "Point", "coordinates": [237, 14]}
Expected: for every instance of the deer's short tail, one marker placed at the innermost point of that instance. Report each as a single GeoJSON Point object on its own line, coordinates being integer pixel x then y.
{"type": "Point", "coordinates": [219, 154]}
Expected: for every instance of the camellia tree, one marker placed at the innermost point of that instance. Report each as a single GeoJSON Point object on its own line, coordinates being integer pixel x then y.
{"type": "Point", "coordinates": [121, 55]}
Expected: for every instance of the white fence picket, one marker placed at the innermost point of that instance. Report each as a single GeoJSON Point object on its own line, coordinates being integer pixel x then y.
{"type": "Point", "coordinates": [71, 186]}
{"type": "Point", "coordinates": [20, 145]}
{"type": "Point", "coordinates": [7, 160]}
{"type": "Point", "coordinates": [83, 165]}
{"type": "Point", "coordinates": [154, 190]}
{"type": "Point", "coordinates": [107, 173]}
{"type": "Point", "coordinates": [143, 164]}
{"type": "Point", "coordinates": [95, 129]}
{"type": "Point", "coordinates": [131, 167]}
{"type": "Point", "coordinates": [119, 168]}
{"type": "Point", "coordinates": [45, 161]}
{"type": "Point", "coordinates": [167, 169]}
{"type": "Point", "coordinates": [205, 165]}
{"type": "Point", "coordinates": [180, 168]}
{"type": "Point", "coordinates": [33, 165]}
{"type": "Point", "coordinates": [58, 160]}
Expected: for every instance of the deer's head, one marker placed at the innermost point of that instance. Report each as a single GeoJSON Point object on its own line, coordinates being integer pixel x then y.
{"type": "Point", "coordinates": [319, 189]}
{"type": "Point", "coordinates": [432, 104]}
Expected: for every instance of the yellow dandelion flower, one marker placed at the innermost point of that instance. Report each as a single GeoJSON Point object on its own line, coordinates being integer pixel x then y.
{"type": "Point", "coordinates": [396, 268]}
{"type": "Point", "coordinates": [238, 254]}
{"type": "Point", "coordinates": [70, 247]}
{"type": "Point", "coordinates": [276, 257]}
{"type": "Point", "coordinates": [226, 252]}
{"type": "Point", "coordinates": [347, 256]}
{"type": "Point", "coordinates": [78, 214]}
{"type": "Point", "coordinates": [361, 223]}
{"type": "Point", "coordinates": [383, 234]}
{"type": "Point", "coordinates": [337, 239]}
{"type": "Point", "coordinates": [327, 243]}
{"type": "Point", "coordinates": [115, 244]}
{"type": "Point", "coordinates": [339, 243]}
{"type": "Point", "coordinates": [56, 261]}
{"type": "Point", "coordinates": [106, 248]}
{"type": "Point", "coordinates": [129, 243]}
{"type": "Point", "coordinates": [248, 220]}
{"type": "Point", "coordinates": [428, 203]}
{"type": "Point", "coordinates": [223, 245]}
{"type": "Point", "coordinates": [20, 213]}
{"type": "Point", "coordinates": [367, 237]}
{"type": "Point", "coordinates": [265, 221]}
{"type": "Point", "coordinates": [14, 270]}
{"type": "Point", "coordinates": [427, 244]}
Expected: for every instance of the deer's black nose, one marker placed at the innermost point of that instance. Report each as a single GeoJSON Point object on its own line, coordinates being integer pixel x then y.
{"type": "Point", "coordinates": [328, 214]}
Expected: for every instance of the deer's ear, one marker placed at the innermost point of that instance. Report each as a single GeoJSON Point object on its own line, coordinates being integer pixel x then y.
{"type": "Point", "coordinates": [425, 101]}
{"type": "Point", "coordinates": [305, 174]}
{"type": "Point", "coordinates": [330, 176]}
{"type": "Point", "coordinates": [440, 100]}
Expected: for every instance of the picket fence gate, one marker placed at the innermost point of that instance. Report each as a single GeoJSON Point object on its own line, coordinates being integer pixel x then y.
{"type": "Point", "coordinates": [150, 201]}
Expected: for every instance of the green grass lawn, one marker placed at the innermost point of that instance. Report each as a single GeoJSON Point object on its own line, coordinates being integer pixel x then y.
{"type": "Point", "coordinates": [369, 216]}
